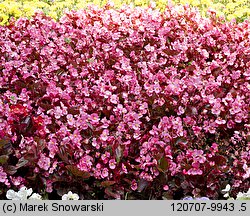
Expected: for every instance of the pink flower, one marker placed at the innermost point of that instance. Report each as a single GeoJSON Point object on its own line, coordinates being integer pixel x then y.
{"type": "Point", "coordinates": [214, 148]}
{"type": "Point", "coordinates": [236, 74]}
{"type": "Point", "coordinates": [70, 120]}
{"type": "Point", "coordinates": [120, 109]}
{"type": "Point", "coordinates": [104, 135]}
{"type": "Point", "coordinates": [3, 175]}
{"type": "Point", "coordinates": [238, 118]}
{"type": "Point", "coordinates": [73, 72]}
{"type": "Point", "coordinates": [105, 123]}
{"type": "Point", "coordinates": [212, 127]}
{"type": "Point", "coordinates": [220, 121]}
{"type": "Point", "coordinates": [180, 110]}
{"type": "Point", "coordinates": [53, 147]}
{"type": "Point", "coordinates": [124, 168]}
{"type": "Point", "coordinates": [134, 185]}
{"type": "Point", "coordinates": [53, 167]}
{"type": "Point", "coordinates": [94, 118]}
{"type": "Point", "coordinates": [76, 138]}
{"type": "Point", "coordinates": [137, 136]}
{"type": "Point", "coordinates": [247, 171]}
{"type": "Point", "coordinates": [236, 106]}
{"type": "Point", "coordinates": [114, 99]}
{"type": "Point", "coordinates": [230, 124]}
{"type": "Point", "coordinates": [95, 144]}
{"type": "Point", "coordinates": [197, 130]}
{"type": "Point", "coordinates": [216, 109]}
{"type": "Point", "coordinates": [107, 94]}
{"type": "Point", "coordinates": [105, 173]}
{"type": "Point", "coordinates": [157, 88]}
{"type": "Point", "coordinates": [136, 125]}
{"type": "Point", "coordinates": [58, 112]}
{"type": "Point", "coordinates": [196, 165]}
{"type": "Point", "coordinates": [17, 181]}
{"type": "Point", "coordinates": [149, 48]}
{"type": "Point", "coordinates": [97, 171]}
{"type": "Point", "coordinates": [112, 164]}
{"type": "Point", "coordinates": [143, 108]}
{"type": "Point", "coordinates": [198, 156]}
{"type": "Point", "coordinates": [121, 127]}
{"type": "Point", "coordinates": [105, 157]}
{"type": "Point", "coordinates": [44, 162]}
{"type": "Point", "coordinates": [49, 186]}
{"type": "Point", "coordinates": [193, 171]}
{"type": "Point", "coordinates": [166, 187]}
{"type": "Point", "coordinates": [85, 163]}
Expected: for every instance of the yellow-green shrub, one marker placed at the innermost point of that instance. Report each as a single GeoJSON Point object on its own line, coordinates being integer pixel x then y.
{"type": "Point", "coordinates": [239, 9]}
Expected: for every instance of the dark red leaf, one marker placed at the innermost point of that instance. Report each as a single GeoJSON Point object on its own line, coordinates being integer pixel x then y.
{"type": "Point", "coordinates": [10, 170]}
{"type": "Point", "coordinates": [76, 172]}
{"type": "Point", "coordinates": [111, 193]}
{"type": "Point", "coordinates": [21, 162]}
{"type": "Point", "coordinates": [219, 160]}
{"type": "Point", "coordinates": [107, 183]}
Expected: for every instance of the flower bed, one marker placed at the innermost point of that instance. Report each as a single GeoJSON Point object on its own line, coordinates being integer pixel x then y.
{"type": "Point", "coordinates": [125, 103]}
{"type": "Point", "coordinates": [238, 9]}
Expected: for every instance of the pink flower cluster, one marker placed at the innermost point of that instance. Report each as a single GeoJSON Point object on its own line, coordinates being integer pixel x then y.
{"type": "Point", "coordinates": [126, 100]}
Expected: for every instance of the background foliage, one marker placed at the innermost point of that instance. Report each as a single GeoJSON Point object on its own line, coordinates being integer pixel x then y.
{"type": "Point", "coordinates": [238, 9]}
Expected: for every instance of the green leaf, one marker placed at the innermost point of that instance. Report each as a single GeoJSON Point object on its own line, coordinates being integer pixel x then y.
{"type": "Point", "coordinates": [67, 40]}
{"type": "Point", "coordinates": [6, 148]}
{"type": "Point", "coordinates": [138, 167]}
{"type": "Point", "coordinates": [90, 60]}
{"type": "Point", "coordinates": [90, 125]}
{"type": "Point", "coordinates": [3, 142]}
{"type": "Point", "coordinates": [13, 98]}
{"type": "Point", "coordinates": [167, 196]}
{"type": "Point", "coordinates": [163, 164]}
{"type": "Point", "coordinates": [76, 172]}
{"type": "Point", "coordinates": [4, 159]}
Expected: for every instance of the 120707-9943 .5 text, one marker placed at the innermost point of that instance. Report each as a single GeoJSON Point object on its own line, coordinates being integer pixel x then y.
{"type": "Point", "coordinates": [215, 207]}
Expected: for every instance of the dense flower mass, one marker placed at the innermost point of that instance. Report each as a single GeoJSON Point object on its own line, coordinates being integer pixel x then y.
{"type": "Point", "coordinates": [238, 9]}
{"type": "Point", "coordinates": [120, 101]}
